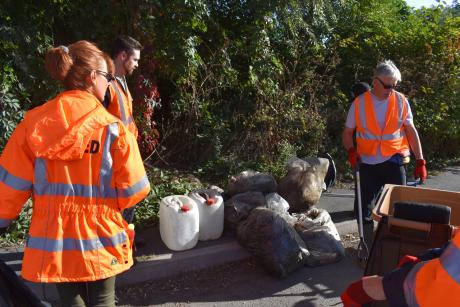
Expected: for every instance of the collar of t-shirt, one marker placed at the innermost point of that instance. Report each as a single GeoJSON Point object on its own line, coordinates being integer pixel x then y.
{"type": "Point", "coordinates": [380, 109]}
{"type": "Point", "coordinates": [122, 82]}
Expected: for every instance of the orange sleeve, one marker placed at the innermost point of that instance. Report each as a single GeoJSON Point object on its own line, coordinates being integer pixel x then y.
{"type": "Point", "coordinates": [16, 176]}
{"type": "Point", "coordinates": [130, 178]}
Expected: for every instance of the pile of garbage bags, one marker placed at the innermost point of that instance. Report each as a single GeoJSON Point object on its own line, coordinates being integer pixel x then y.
{"type": "Point", "coordinates": [279, 223]}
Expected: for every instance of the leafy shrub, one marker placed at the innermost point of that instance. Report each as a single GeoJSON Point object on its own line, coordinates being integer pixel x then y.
{"type": "Point", "coordinates": [243, 83]}
{"type": "Point", "coordinates": [11, 111]}
{"type": "Point", "coordinates": [19, 228]}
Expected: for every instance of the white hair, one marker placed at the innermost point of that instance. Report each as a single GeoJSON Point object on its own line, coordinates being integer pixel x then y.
{"type": "Point", "coordinates": [388, 69]}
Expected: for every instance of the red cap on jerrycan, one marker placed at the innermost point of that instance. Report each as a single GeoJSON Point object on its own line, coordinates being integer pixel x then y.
{"type": "Point", "coordinates": [185, 207]}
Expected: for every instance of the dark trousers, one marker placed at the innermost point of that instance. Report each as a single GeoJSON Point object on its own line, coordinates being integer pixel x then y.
{"type": "Point", "coordinates": [99, 293]}
{"type": "Point", "coordinates": [128, 214]}
{"type": "Point", "coordinates": [373, 178]}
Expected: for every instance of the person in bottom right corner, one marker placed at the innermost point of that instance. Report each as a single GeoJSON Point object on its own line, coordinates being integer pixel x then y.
{"type": "Point", "coordinates": [431, 279]}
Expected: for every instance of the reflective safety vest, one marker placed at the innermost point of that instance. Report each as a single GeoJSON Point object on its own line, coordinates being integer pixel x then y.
{"type": "Point", "coordinates": [121, 105]}
{"type": "Point", "coordinates": [436, 282]}
{"type": "Point", "coordinates": [392, 139]}
{"type": "Point", "coordinates": [82, 169]}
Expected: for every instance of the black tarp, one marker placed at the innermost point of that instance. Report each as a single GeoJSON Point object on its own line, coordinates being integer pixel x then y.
{"type": "Point", "coordinates": [14, 292]}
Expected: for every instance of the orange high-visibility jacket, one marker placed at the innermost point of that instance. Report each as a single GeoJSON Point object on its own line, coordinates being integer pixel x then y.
{"type": "Point", "coordinates": [82, 168]}
{"type": "Point", "coordinates": [436, 282]}
{"type": "Point", "coordinates": [393, 138]}
{"type": "Point", "coordinates": [121, 105]}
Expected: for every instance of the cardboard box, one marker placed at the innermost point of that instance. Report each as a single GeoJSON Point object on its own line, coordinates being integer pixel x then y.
{"type": "Point", "coordinates": [394, 193]}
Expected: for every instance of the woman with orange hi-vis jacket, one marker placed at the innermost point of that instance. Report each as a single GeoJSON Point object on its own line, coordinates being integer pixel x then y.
{"type": "Point", "coordinates": [81, 169]}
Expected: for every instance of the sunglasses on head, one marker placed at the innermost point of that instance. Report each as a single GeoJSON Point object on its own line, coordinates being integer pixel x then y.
{"type": "Point", "coordinates": [386, 86]}
{"type": "Point", "coordinates": [108, 76]}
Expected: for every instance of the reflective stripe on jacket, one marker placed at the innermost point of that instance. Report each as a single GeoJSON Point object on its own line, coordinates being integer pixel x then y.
{"type": "Point", "coordinates": [121, 105]}
{"type": "Point", "coordinates": [82, 169]}
{"type": "Point", "coordinates": [369, 135]}
{"type": "Point", "coordinates": [436, 282]}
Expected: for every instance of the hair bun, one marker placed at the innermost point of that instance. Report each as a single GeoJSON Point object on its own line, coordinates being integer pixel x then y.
{"type": "Point", "coordinates": [58, 62]}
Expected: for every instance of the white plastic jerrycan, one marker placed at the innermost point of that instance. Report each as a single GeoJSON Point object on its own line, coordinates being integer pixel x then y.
{"type": "Point", "coordinates": [179, 224]}
{"type": "Point", "coordinates": [211, 213]}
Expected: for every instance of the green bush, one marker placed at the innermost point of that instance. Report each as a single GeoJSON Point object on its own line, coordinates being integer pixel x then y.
{"type": "Point", "coordinates": [11, 111]}
{"type": "Point", "coordinates": [18, 230]}
{"type": "Point", "coordinates": [243, 84]}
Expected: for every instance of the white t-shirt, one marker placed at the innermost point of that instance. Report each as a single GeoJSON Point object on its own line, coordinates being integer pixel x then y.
{"type": "Point", "coordinates": [380, 109]}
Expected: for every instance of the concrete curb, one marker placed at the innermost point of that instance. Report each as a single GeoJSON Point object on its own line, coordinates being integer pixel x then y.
{"type": "Point", "coordinates": [166, 265]}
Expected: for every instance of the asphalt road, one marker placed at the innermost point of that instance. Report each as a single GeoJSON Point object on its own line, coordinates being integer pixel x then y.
{"type": "Point", "coordinates": [245, 283]}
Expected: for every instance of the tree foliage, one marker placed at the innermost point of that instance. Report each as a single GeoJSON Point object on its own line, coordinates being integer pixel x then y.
{"type": "Point", "coordinates": [229, 84]}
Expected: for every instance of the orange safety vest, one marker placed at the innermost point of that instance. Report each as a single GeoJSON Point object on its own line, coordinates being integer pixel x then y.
{"type": "Point", "coordinates": [369, 135]}
{"type": "Point", "coordinates": [82, 169]}
{"type": "Point", "coordinates": [436, 282]}
{"type": "Point", "coordinates": [121, 105]}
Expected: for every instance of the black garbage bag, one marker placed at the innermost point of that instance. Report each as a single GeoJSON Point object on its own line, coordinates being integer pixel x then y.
{"type": "Point", "coordinates": [14, 292]}
{"type": "Point", "coordinates": [276, 203]}
{"type": "Point", "coordinates": [270, 236]}
{"type": "Point", "coordinates": [251, 181]}
{"type": "Point", "coordinates": [321, 237]}
{"type": "Point", "coordinates": [238, 207]}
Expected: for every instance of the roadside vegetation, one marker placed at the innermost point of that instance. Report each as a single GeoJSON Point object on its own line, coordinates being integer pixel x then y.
{"type": "Point", "coordinates": [225, 86]}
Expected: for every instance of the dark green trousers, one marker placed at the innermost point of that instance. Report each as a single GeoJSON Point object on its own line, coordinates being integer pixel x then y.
{"type": "Point", "coordinates": [99, 293]}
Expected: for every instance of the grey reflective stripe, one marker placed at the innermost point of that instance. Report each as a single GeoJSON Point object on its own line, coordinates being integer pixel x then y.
{"type": "Point", "coordinates": [120, 104]}
{"type": "Point", "coordinates": [123, 83]}
{"type": "Point", "coordinates": [362, 118]}
{"type": "Point", "coordinates": [40, 181]}
{"type": "Point", "coordinates": [450, 262]}
{"type": "Point", "coordinates": [42, 187]}
{"type": "Point", "coordinates": [410, 283]}
{"type": "Point", "coordinates": [129, 120]}
{"type": "Point", "coordinates": [385, 137]}
{"type": "Point", "coordinates": [71, 244]}
{"type": "Point", "coordinates": [5, 222]}
{"type": "Point", "coordinates": [107, 162]}
{"type": "Point", "coordinates": [362, 113]}
{"type": "Point", "coordinates": [13, 181]}
{"type": "Point", "coordinates": [399, 100]}
{"type": "Point", "coordinates": [138, 186]}
{"type": "Point", "coordinates": [103, 190]}
{"type": "Point", "coordinates": [63, 189]}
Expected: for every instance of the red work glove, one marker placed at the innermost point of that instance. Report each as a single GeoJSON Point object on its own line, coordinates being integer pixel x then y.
{"type": "Point", "coordinates": [408, 259]}
{"type": "Point", "coordinates": [353, 157]}
{"type": "Point", "coordinates": [355, 296]}
{"type": "Point", "coordinates": [420, 170]}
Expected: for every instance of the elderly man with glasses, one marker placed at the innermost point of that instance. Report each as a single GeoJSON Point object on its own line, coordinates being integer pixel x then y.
{"type": "Point", "coordinates": [385, 135]}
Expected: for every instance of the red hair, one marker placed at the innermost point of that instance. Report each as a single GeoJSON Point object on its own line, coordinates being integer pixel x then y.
{"type": "Point", "coordinates": [71, 65]}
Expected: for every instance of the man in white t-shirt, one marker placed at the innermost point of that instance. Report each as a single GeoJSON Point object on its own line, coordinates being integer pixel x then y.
{"type": "Point", "coordinates": [385, 135]}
